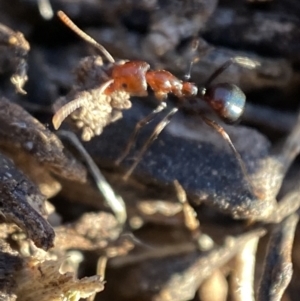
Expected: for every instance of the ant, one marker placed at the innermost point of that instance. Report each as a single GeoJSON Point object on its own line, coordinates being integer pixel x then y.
{"type": "Point", "coordinates": [134, 77]}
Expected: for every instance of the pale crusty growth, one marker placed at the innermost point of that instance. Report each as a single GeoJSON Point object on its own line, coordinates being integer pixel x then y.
{"type": "Point", "coordinates": [14, 51]}
{"type": "Point", "coordinates": [94, 109]}
{"type": "Point", "coordinates": [100, 111]}
{"type": "Point", "coordinates": [23, 204]}
{"type": "Point", "coordinates": [42, 281]}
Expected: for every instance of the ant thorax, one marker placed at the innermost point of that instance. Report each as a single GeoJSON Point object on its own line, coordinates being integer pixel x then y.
{"type": "Point", "coordinates": [130, 76]}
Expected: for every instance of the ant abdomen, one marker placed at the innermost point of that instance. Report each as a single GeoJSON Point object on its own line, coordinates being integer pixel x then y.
{"type": "Point", "coordinates": [227, 100]}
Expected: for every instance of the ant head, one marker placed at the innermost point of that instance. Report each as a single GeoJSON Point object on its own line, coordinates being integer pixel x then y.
{"type": "Point", "coordinates": [227, 100]}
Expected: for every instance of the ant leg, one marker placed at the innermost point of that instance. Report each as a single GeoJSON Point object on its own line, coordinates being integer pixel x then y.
{"type": "Point", "coordinates": [137, 129]}
{"type": "Point", "coordinates": [158, 129]}
{"type": "Point", "coordinates": [226, 137]}
{"type": "Point", "coordinates": [195, 45]}
{"type": "Point", "coordinates": [203, 48]}
{"type": "Point", "coordinates": [73, 105]}
{"type": "Point", "coordinates": [241, 61]}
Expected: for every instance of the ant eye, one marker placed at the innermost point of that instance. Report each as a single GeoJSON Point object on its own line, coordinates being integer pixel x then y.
{"type": "Point", "coordinates": [227, 100]}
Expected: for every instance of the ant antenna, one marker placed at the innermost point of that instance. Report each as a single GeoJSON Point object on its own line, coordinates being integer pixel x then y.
{"type": "Point", "coordinates": [65, 19]}
{"type": "Point", "coordinates": [73, 105]}
{"type": "Point", "coordinates": [239, 60]}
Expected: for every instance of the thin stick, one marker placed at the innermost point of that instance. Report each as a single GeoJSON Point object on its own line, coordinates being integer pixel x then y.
{"type": "Point", "coordinates": [101, 267]}
{"type": "Point", "coordinates": [190, 216]}
{"type": "Point", "coordinates": [65, 19]}
{"type": "Point", "coordinates": [278, 267]}
{"type": "Point", "coordinates": [45, 9]}
{"type": "Point", "coordinates": [242, 277]}
{"type": "Point", "coordinates": [114, 201]}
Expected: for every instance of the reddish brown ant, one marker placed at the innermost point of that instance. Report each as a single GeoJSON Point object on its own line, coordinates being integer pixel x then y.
{"type": "Point", "coordinates": [134, 77]}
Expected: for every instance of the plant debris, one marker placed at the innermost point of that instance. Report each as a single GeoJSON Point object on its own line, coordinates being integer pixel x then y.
{"type": "Point", "coordinates": [14, 50]}
{"type": "Point", "coordinates": [23, 204]}
{"type": "Point", "coordinates": [43, 281]}
{"type": "Point", "coordinates": [35, 149]}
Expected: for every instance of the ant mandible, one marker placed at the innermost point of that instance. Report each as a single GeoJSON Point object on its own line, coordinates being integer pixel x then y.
{"type": "Point", "coordinates": [133, 77]}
